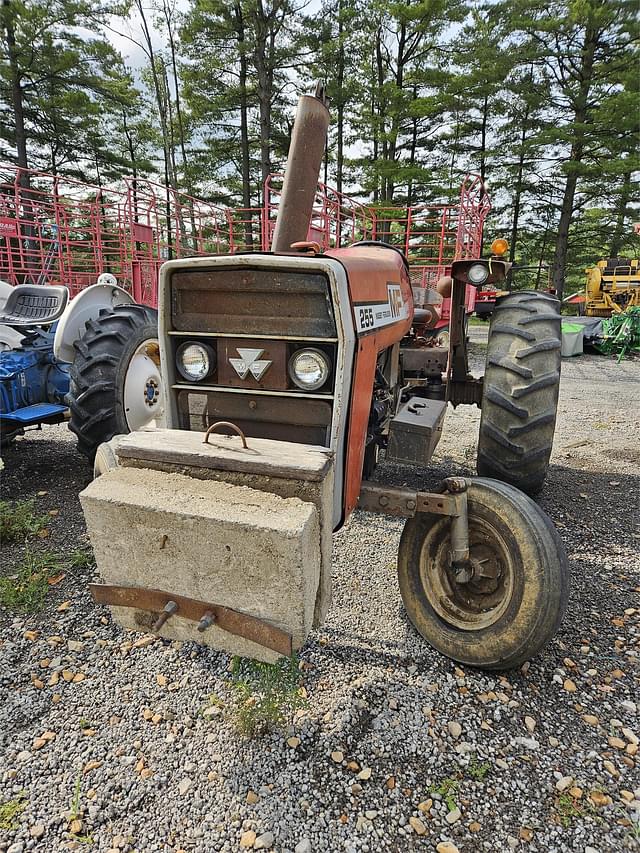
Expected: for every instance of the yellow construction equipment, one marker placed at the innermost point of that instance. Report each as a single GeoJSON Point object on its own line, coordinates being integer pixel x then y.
{"type": "Point", "coordinates": [613, 285]}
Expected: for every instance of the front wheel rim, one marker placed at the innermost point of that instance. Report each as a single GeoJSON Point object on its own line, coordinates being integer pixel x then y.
{"type": "Point", "coordinates": [142, 394]}
{"type": "Point", "coordinates": [480, 603]}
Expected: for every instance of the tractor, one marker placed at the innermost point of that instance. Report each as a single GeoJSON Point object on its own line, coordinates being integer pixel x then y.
{"type": "Point", "coordinates": [93, 360]}
{"type": "Point", "coordinates": [313, 361]}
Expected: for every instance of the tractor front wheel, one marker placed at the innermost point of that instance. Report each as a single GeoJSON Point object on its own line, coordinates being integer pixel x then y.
{"type": "Point", "coordinates": [521, 386]}
{"type": "Point", "coordinates": [514, 602]}
{"type": "Point", "coordinates": [116, 385]}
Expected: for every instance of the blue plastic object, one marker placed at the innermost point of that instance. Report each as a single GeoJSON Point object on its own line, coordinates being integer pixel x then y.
{"type": "Point", "coordinates": [35, 414]}
{"type": "Point", "coordinates": [33, 385]}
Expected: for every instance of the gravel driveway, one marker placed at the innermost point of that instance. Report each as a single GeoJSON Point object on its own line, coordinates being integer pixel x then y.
{"type": "Point", "coordinates": [397, 749]}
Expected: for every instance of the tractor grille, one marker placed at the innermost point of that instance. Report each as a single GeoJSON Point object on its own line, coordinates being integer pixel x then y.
{"type": "Point", "coordinates": [263, 315]}
{"type": "Point", "coordinates": [304, 421]}
{"type": "Point", "coordinates": [245, 301]}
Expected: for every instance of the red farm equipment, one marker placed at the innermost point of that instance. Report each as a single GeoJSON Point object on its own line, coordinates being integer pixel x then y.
{"type": "Point", "coordinates": [67, 234]}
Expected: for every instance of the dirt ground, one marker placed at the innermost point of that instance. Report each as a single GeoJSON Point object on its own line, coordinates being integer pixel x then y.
{"type": "Point", "coordinates": [544, 759]}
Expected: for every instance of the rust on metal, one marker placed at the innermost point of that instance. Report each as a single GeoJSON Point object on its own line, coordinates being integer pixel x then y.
{"type": "Point", "coordinates": [406, 502]}
{"type": "Point", "coordinates": [306, 247]}
{"type": "Point", "coordinates": [278, 418]}
{"type": "Point", "coordinates": [455, 485]}
{"type": "Point", "coordinates": [467, 392]}
{"type": "Point", "coordinates": [156, 600]}
{"type": "Point", "coordinates": [167, 612]}
{"type": "Point", "coordinates": [301, 174]}
{"type": "Point", "coordinates": [252, 300]}
{"type": "Point", "coordinates": [228, 424]}
{"type": "Point", "coordinates": [206, 621]}
{"type": "Point", "coordinates": [269, 356]}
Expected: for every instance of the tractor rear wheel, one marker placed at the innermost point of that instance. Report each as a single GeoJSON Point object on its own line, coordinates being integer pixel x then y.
{"type": "Point", "coordinates": [516, 598]}
{"type": "Point", "coordinates": [521, 385]}
{"type": "Point", "coordinates": [115, 377]}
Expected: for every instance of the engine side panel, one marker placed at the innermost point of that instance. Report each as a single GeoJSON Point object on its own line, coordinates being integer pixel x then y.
{"type": "Point", "coordinates": [382, 305]}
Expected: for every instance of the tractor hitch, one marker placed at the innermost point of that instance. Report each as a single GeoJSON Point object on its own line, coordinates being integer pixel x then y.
{"type": "Point", "coordinates": [451, 501]}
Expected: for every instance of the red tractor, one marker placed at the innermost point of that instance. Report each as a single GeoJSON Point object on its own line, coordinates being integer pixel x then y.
{"type": "Point", "coordinates": [327, 350]}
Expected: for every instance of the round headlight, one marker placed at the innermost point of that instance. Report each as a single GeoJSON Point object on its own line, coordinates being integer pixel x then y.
{"type": "Point", "coordinates": [478, 273]}
{"type": "Point", "coordinates": [309, 369]}
{"type": "Point", "coordinates": [195, 361]}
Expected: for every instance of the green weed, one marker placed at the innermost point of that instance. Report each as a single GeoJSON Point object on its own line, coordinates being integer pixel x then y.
{"type": "Point", "coordinates": [478, 771]}
{"type": "Point", "coordinates": [26, 589]}
{"type": "Point", "coordinates": [263, 695]}
{"type": "Point", "coordinates": [74, 806]}
{"type": "Point", "coordinates": [11, 811]}
{"type": "Point", "coordinates": [80, 559]}
{"type": "Point", "coordinates": [20, 519]}
{"type": "Point", "coordinates": [447, 789]}
{"type": "Point", "coordinates": [567, 809]}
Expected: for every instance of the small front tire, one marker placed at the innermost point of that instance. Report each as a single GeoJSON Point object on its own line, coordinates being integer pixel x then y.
{"type": "Point", "coordinates": [515, 602]}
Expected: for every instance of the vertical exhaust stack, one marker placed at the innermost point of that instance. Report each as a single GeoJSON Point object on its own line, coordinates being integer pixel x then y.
{"type": "Point", "coordinates": [303, 168]}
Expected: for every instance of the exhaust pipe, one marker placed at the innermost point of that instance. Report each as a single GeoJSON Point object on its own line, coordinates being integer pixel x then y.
{"type": "Point", "coordinates": [303, 168]}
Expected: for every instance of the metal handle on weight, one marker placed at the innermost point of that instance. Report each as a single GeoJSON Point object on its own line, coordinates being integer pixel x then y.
{"type": "Point", "coordinates": [227, 424]}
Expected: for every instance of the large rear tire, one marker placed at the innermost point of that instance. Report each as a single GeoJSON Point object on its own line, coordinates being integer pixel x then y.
{"type": "Point", "coordinates": [515, 601]}
{"type": "Point", "coordinates": [521, 386]}
{"type": "Point", "coordinates": [115, 377]}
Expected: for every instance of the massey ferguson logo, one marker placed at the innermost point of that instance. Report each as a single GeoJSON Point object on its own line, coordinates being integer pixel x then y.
{"type": "Point", "coordinates": [250, 362]}
{"type": "Point", "coordinates": [396, 303]}
{"type": "Point", "coordinates": [375, 315]}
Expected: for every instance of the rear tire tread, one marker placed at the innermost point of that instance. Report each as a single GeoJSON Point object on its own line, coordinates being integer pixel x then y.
{"type": "Point", "coordinates": [524, 344]}
{"type": "Point", "coordinates": [95, 389]}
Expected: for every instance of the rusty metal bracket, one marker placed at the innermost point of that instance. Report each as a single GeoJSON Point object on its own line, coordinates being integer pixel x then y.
{"type": "Point", "coordinates": [406, 503]}
{"type": "Point", "coordinates": [217, 424]}
{"type": "Point", "coordinates": [202, 612]}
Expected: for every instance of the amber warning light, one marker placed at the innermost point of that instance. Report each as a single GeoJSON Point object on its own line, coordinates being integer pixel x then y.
{"type": "Point", "coordinates": [499, 246]}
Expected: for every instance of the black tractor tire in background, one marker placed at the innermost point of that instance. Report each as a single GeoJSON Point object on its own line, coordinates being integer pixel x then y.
{"type": "Point", "coordinates": [103, 354]}
{"type": "Point", "coordinates": [520, 393]}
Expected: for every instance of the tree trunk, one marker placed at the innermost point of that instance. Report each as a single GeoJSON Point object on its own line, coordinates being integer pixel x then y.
{"type": "Point", "coordinates": [483, 138]}
{"type": "Point", "coordinates": [617, 238]}
{"type": "Point", "coordinates": [581, 116]}
{"type": "Point", "coordinates": [517, 198]}
{"type": "Point", "coordinates": [174, 68]}
{"type": "Point", "coordinates": [169, 176]}
{"type": "Point", "coordinates": [262, 53]}
{"type": "Point", "coordinates": [16, 95]}
{"type": "Point", "coordinates": [340, 110]}
{"type": "Point", "coordinates": [245, 154]}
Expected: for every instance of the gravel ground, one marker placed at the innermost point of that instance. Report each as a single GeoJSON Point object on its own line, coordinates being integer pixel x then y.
{"type": "Point", "coordinates": [125, 738]}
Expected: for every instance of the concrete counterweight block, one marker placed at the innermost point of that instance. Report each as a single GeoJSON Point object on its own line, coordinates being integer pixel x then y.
{"type": "Point", "coordinates": [280, 468]}
{"type": "Point", "coordinates": [224, 544]}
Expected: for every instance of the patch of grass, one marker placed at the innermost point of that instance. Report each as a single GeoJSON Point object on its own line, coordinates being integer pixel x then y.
{"type": "Point", "coordinates": [26, 589]}
{"type": "Point", "coordinates": [263, 695]}
{"type": "Point", "coordinates": [75, 811]}
{"type": "Point", "coordinates": [447, 789]}
{"type": "Point", "coordinates": [80, 559]}
{"type": "Point", "coordinates": [10, 812]}
{"type": "Point", "coordinates": [568, 809]}
{"type": "Point", "coordinates": [84, 723]}
{"type": "Point", "coordinates": [19, 520]}
{"type": "Point", "coordinates": [478, 771]}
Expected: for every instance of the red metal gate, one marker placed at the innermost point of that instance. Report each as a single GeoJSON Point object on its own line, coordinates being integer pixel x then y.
{"type": "Point", "coordinates": [61, 231]}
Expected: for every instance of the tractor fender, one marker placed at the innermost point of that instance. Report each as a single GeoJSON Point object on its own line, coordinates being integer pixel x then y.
{"type": "Point", "coordinates": [86, 306]}
{"type": "Point", "coordinates": [9, 338]}
{"type": "Point", "coordinates": [5, 290]}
